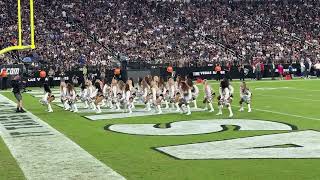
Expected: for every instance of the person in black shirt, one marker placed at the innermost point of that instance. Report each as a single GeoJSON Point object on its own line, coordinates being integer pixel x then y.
{"type": "Point", "coordinates": [241, 71]}
{"type": "Point", "coordinates": [16, 89]}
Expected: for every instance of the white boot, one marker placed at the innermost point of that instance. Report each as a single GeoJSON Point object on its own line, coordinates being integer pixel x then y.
{"type": "Point", "coordinates": [211, 107]}
{"type": "Point", "coordinates": [50, 108]}
{"type": "Point", "coordinates": [118, 107]}
{"type": "Point", "coordinates": [159, 109]}
{"type": "Point", "coordinates": [103, 103]}
{"type": "Point", "coordinates": [195, 104]}
{"type": "Point", "coordinates": [167, 105]}
{"type": "Point", "coordinates": [230, 111]}
{"type": "Point", "coordinates": [130, 109]}
{"type": "Point", "coordinates": [98, 109]}
{"type": "Point", "coordinates": [241, 108]}
{"type": "Point", "coordinates": [93, 106]}
{"type": "Point", "coordinates": [66, 106]}
{"type": "Point", "coordinates": [206, 108]}
{"type": "Point", "coordinates": [188, 110]}
{"type": "Point", "coordinates": [249, 108]}
{"type": "Point", "coordinates": [75, 108]}
{"type": "Point", "coordinates": [220, 110]}
{"type": "Point", "coordinates": [173, 106]}
{"type": "Point", "coordinates": [148, 106]}
{"type": "Point", "coordinates": [86, 104]}
{"type": "Point", "coordinates": [177, 107]}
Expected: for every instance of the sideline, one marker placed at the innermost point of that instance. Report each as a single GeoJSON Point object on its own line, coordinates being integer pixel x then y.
{"type": "Point", "coordinates": [44, 153]}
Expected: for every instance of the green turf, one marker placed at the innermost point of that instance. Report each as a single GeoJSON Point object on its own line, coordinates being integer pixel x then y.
{"type": "Point", "coordinates": [9, 169]}
{"type": "Point", "coordinates": [133, 157]}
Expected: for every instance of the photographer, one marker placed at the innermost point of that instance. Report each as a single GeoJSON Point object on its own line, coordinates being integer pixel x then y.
{"type": "Point", "coordinates": [17, 84]}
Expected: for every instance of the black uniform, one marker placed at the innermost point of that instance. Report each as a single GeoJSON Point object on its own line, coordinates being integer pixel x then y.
{"type": "Point", "coordinates": [17, 86]}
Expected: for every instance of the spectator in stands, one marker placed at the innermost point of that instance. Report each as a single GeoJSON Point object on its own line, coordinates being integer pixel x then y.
{"type": "Point", "coordinates": [317, 68]}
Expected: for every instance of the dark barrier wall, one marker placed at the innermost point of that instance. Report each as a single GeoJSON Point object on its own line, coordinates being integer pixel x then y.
{"type": "Point", "coordinates": [191, 72]}
{"type": "Point", "coordinates": [209, 73]}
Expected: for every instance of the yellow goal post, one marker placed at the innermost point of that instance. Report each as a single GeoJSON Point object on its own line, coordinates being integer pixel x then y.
{"type": "Point", "coordinates": [20, 46]}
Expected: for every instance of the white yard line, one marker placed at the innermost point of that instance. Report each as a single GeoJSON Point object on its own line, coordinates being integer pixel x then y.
{"type": "Point", "coordinates": [44, 153]}
{"type": "Point", "coordinates": [282, 113]}
{"type": "Point", "coordinates": [288, 97]}
{"type": "Point", "coordinates": [135, 114]}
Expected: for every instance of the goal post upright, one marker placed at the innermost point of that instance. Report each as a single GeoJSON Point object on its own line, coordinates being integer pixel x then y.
{"type": "Point", "coordinates": [32, 28]}
{"type": "Point", "coordinates": [20, 45]}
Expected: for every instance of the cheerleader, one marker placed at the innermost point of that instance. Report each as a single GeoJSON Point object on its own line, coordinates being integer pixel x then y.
{"type": "Point", "coordinates": [120, 101]}
{"type": "Point", "coordinates": [72, 98]}
{"type": "Point", "coordinates": [47, 98]}
{"type": "Point", "coordinates": [98, 96]}
{"type": "Point", "coordinates": [63, 95]}
{"type": "Point", "coordinates": [245, 96]}
{"type": "Point", "coordinates": [128, 98]}
{"type": "Point", "coordinates": [209, 95]}
{"type": "Point", "coordinates": [83, 95]}
{"type": "Point", "coordinates": [91, 95]}
{"type": "Point", "coordinates": [186, 98]}
{"type": "Point", "coordinates": [225, 98]}
{"type": "Point", "coordinates": [195, 92]}
{"type": "Point", "coordinates": [157, 96]}
{"type": "Point", "coordinates": [163, 92]}
{"type": "Point", "coordinates": [107, 93]}
{"type": "Point", "coordinates": [146, 95]}
{"type": "Point", "coordinates": [171, 93]}
{"type": "Point", "coordinates": [114, 92]}
{"type": "Point", "coordinates": [132, 91]}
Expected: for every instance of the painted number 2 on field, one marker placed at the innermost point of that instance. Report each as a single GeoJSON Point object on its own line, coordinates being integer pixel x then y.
{"type": "Point", "coordinates": [300, 144]}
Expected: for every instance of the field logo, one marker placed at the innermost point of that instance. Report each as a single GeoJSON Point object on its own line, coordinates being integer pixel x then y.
{"type": "Point", "coordinates": [293, 145]}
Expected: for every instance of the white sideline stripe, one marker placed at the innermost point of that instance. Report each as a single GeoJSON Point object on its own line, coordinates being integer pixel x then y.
{"type": "Point", "coordinates": [44, 153]}
{"type": "Point", "coordinates": [282, 113]}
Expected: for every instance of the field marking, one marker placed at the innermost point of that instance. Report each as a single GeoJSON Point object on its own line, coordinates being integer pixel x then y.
{"type": "Point", "coordinates": [288, 97]}
{"type": "Point", "coordinates": [134, 114]}
{"type": "Point", "coordinates": [281, 113]}
{"type": "Point", "coordinates": [192, 127]}
{"type": "Point", "coordinates": [44, 153]}
{"type": "Point", "coordinates": [270, 88]}
{"type": "Point", "coordinates": [305, 144]}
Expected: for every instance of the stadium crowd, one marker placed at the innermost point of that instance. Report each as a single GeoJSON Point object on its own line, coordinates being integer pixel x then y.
{"type": "Point", "coordinates": [164, 32]}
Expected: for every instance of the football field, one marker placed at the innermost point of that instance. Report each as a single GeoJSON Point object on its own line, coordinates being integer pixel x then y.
{"type": "Point", "coordinates": [279, 139]}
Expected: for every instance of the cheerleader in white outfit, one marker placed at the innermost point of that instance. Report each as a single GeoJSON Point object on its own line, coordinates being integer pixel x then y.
{"type": "Point", "coordinates": [128, 98]}
{"type": "Point", "coordinates": [98, 99]}
{"type": "Point", "coordinates": [172, 93]}
{"type": "Point", "coordinates": [156, 97]}
{"type": "Point", "coordinates": [186, 98]}
{"type": "Point", "coordinates": [245, 96]}
{"type": "Point", "coordinates": [47, 98]}
{"type": "Point", "coordinates": [84, 95]}
{"type": "Point", "coordinates": [120, 101]}
{"type": "Point", "coordinates": [146, 94]}
{"type": "Point", "coordinates": [63, 96]}
{"type": "Point", "coordinates": [209, 95]}
{"type": "Point", "coordinates": [225, 98]}
{"type": "Point", "coordinates": [107, 93]}
{"type": "Point", "coordinates": [91, 95]}
{"type": "Point", "coordinates": [195, 92]}
{"type": "Point", "coordinates": [72, 98]}
{"type": "Point", "coordinates": [114, 92]}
